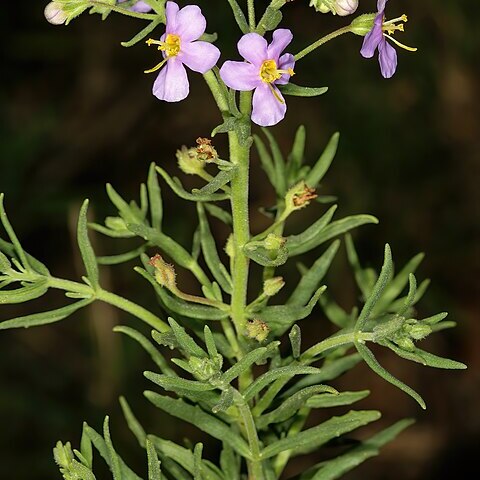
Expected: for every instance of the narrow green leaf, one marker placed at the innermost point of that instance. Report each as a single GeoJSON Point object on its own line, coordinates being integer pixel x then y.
{"type": "Point", "coordinates": [210, 342]}
{"type": "Point", "coordinates": [323, 163]}
{"type": "Point", "coordinates": [132, 422]}
{"type": "Point", "coordinates": [218, 182]}
{"type": "Point", "coordinates": [361, 276]}
{"type": "Point", "coordinates": [187, 343]}
{"type": "Point", "coordinates": [175, 384]}
{"type": "Point", "coordinates": [342, 399]}
{"type": "Point", "coordinates": [269, 377]}
{"type": "Point", "coordinates": [81, 471]}
{"type": "Point", "coordinates": [197, 462]}
{"type": "Point", "coordinates": [45, 318]}
{"type": "Point", "coordinates": [110, 232]}
{"type": "Point", "coordinates": [295, 159]}
{"type": "Point", "coordinates": [372, 362]}
{"type": "Point", "coordinates": [154, 471]}
{"type": "Point", "coordinates": [295, 337]}
{"type": "Point", "coordinates": [122, 206]}
{"type": "Point", "coordinates": [220, 213]}
{"type": "Point", "coordinates": [266, 161]}
{"type": "Point", "coordinates": [24, 294]}
{"type": "Point", "coordinates": [299, 91]}
{"type": "Point", "coordinates": [229, 463]}
{"type": "Point", "coordinates": [86, 250]}
{"type": "Point", "coordinates": [177, 187]}
{"type": "Point", "coordinates": [278, 162]}
{"type": "Point", "coordinates": [292, 405]}
{"type": "Point", "coordinates": [312, 278]}
{"type": "Point", "coordinates": [336, 314]}
{"type": "Point", "coordinates": [155, 198]}
{"type": "Point", "coordinates": [114, 463]}
{"type": "Point", "coordinates": [86, 447]}
{"type": "Point", "coordinates": [196, 416]}
{"type": "Point", "coordinates": [311, 439]}
{"type": "Point", "coordinates": [121, 258]}
{"type": "Point", "coordinates": [210, 253]}
{"type": "Point", "coordinates": [377, 291]}
{"type": "Point", "coordinates": [239, 16]}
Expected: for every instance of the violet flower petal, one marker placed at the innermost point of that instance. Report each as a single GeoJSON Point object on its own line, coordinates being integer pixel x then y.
{"type": "Point", "coordinates": [240, 76]}
{"type": "Point", "coordinates": [253, 48]}
{"type": "Point", "coordinates": [285, 62]}
{"type": "Point", "coordinates": [171, 11]}
{"type": "Point", "coordinates": [373, 38]}
{"type": "Point", "coordinates": [281, 39]}
{"type": "Point", "coordinates": [387, 57]}
{"type": "Point", "coordinates": [172, 84]}
{"type": "Point", "coordinates": [381, 4]}
{"type": "Point", "coordinates": [141, 7]}
{"type": "Point", "coordinates": [267, 109]}
{"type": "Point", "coordinates": [191, 24]}
{"type": "Point", "coordinates": [199, 56]}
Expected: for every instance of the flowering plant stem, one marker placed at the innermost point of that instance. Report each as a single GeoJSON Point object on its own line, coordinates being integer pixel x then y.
{"type": "Point", "coordinates": [322, 41]}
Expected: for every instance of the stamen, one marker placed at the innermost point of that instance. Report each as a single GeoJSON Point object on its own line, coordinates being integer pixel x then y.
{"type": "Point", "coordinates": [401, 45]}
{"type": "Point", "coordinates": [157, 67]}
{"type": "Point", "coordinates": [403, 18]}
{"type": "Point", "coordinates": [275, 94]}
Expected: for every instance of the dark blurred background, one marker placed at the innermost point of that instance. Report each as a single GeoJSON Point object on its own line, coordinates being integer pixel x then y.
{"type": "Point", "coordinates": [77, 112]}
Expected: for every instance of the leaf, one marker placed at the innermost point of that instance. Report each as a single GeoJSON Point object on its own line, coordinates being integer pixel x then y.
{"type": "Point", "coordinates": [110, 232]}
{"type": "Point", "coordinates": [292, 405]}
{"type": "Point", "coordinates": [299, 91]}
{"type": "Point", "coordinates": [86, 250]}
{"type": "Point", "coordinates": [155, 198]}
{"type": "Point", "coordinates": [239, 16]}
{"type": "Point", "coordinates": [372, 362]}
{"type": "Point", "coordinates": [342, 399]}
{"type": "Point", "coordinates": [187, 343]}
{"type": "Point", "coordinates": [210, 342]}
{"type": "Point", "coordinates": [339, 227]}
{"type": "Point", "coordinates": [45, 318]}
{"type": "Point", "coordinates": [24, 294]}
{"type": "Point", "coordinates": [114, 462]}
{"type": "Point", "coordinates": [248, 360]}
{"type": "Point", "coordinates": [312, 438]}
{"type": "Point", "coordinates": [132, 422]}
{"type": "Point", "coordinates": [121, 258]}
{"type": "Point", "coordinates": [122, 206]}
{"type": "Point", "coordinates": [281, 317]}
{"type": "Point", "coordinates": [337, 467]}
{"type": "Point", "coordinates": [270, 20]}
{"type": "Point", "coordinates": [266, 161]}
{"type": "Point", "coordinates": [197, 462]}
{"type": "Point", "coordinates": [218, 182]}
{"type": "Point", "coordinates": [154, 471]}
{"type": "Point", "coordinates": [377, 291]}
{"type": "Point", "coordinates": [210, 253]}
{"type": "Point", "coordinates": [175, 384]}
{"type": "Point", "coordinates": [361, 276]}
{"type": "Point", "coordinates": [220, 213]}
{"type": "Point", "coordinates": [205, 422]}
{"type": "Point", "coordinates": [278, 163]}
{"type": "Point", "coordinates": [295, 159]}
{"type": "Point", "coordinates": [320, 168]}
{"type": "Point", "coordinates": [295, 337]}
{"type": "Point", "coordinates": [86, 447]}
{"type": "Point", "coordinates": [336, 314]}
{"type": "Point", "coordinates": [177, 187]}
{"type": "Point", "coordinates": [267, 378]}
{"type": "Point", "coordinates": [229, 463]}
{"type": "Point", "coordinates": [311, 279]}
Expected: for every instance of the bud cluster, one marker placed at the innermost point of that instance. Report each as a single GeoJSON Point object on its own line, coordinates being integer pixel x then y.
{"type": "Point", "coordinates": [337, 7]}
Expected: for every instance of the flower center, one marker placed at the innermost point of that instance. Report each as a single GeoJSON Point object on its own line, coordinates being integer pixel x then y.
{"type": "Point", "coordinates": [171, 47]}
{"type": "Point", "coordinates": [269, 73]}
{"type": "Point", "coordinates": [390, 27]}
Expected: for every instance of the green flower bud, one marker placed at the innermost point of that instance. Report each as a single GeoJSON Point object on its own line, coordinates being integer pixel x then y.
{"type": "Point", "coordinates": [257, 330]}
{"type": "Point", "coordinates": [272, 286]}
{"type": "Point", "coordinates": [55, 14]}
{"type": "Point", "coordinates": [274, 242]}
{"type": "Point", "coordinates": [420, 331]}
{"type": "Point", "coordinates": [164, 272]}
{"type": "Point", "coordinates": [115, 223]}
{"type": "Point", "coordinates": [189, 161]}
{"type": "Point", "coordinates": [203, 368]}
{"type": "Point", "coordinates": [363, 24]}
{"type": "Point", "coordinates": [230, 247]}
{"type": "Point", "coordinates": [405, 343]}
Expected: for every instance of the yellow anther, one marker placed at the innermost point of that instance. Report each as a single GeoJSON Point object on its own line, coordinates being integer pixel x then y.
{"type": "Point", "coordinates": [171, 45]}
{"type": "Point", "coordinates": [269, 73]}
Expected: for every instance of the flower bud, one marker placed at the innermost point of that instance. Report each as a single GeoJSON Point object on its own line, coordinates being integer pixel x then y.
{"type": "Point", "coordinates": [405, 343]}
{"type": "Point", "coordinates": [164, 272]}
{"type": "Point", "coordinates": [299, 196]}
{"type": "Point", "coordinates": [55, 14]}
{"type": "Point", "coordinates": [63, 454]}
{"type": "Point", "coordinates": [115, 223]}
{"type": "Point", "coordinates": [189, 161]}
{"type": "Point", "coordinates": [230, 247]}
{"type": "Point", "coordinates": [203, 368]}
{"type": "Point", "coordinates": [274, 242]}
{"type": "Point", "coordinates": [420, 331]}
{"type": "Point", "coordinates": [272, 286]}
{"type": "Point", "coordinates": [337, 7]}
{"type": "Point", "coordinates": [362, 24]}
{"type": "Point", "coordinates": [257, 330]}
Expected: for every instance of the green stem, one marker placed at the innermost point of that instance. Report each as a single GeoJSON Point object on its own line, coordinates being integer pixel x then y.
{"type": "Point", "coordinates": [251, 14]}
{"type": "Point", "coordinates": [112, 299]}
{"type": "Point", "coordinates": [321, 41]}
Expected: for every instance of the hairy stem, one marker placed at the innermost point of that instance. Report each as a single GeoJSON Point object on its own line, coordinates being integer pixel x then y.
{"type": "Point", "coordinates": [322, 41]}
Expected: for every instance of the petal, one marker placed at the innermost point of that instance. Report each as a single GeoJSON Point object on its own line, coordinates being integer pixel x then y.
{"type": "Point", "coordinates": [141, 7]}
{"type": "Point", "coordinates": [191, 24]}
{"type": "Point", "coordinates": [381, 5]}
{"type": "Point", "coordinates": [240, 76]}
{"type": "Point", "coordinates": [285, 62]}
{"type": "Point", "coordinates": [371, 41]}
{"type": "Point", "coordinates": [171, 11]}
{"type": "Point", "coordinates": [253, 48]}
{"type": "Point", "coordinates": [267, 109]}
{"type": "Point", "coordinates": [387, 57]}
{"type": "Point", "coordinates": [171, 84]}
{"type": "Point", "coordinates": [281, 39]}
{"type": "Point", "coordinates": [199, 56]}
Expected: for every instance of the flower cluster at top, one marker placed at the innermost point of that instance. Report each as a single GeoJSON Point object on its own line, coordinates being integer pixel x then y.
{"type": "Point", "coordinates": [265, 68]}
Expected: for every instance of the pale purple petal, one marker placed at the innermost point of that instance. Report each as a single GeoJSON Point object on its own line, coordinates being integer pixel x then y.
{"type": "Point", "coordinates": [281, 39]}
{"type": "Point", "coordinates": [199, 56]}
{"type": "Point", "coordinates": [253, 48]}
{"type": "Point", "coordinates": [171, 11]}
{"type": "Point", "coordinates": [387, 57]}
{"type": "Point", "coordinates": [381, 5]}
{"type": "Point", "coordinates": [372, 38]}
{"type": "Point", "coordinates": [267, 109]}
{"type": "Point", "coordinates": [240, 76]}
{"type": "Point", "coordinates": [141, 7]}
{"type": "Point", "coordinates": [191, 24]}
{"type": "Point", "coordinates": [171, 84]}
{"type": "Point", "coordinates": [285, 62]}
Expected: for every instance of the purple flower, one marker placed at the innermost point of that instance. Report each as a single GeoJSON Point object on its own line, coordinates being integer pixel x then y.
{"type": "Point", "coordinates": [264, 69]}
{"type": "Point", "coordinates": [180, 46]}
{"type": "Point", "coordinates": [377, 38]}
{"type": "Point", "coordinates": [140, 6]}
